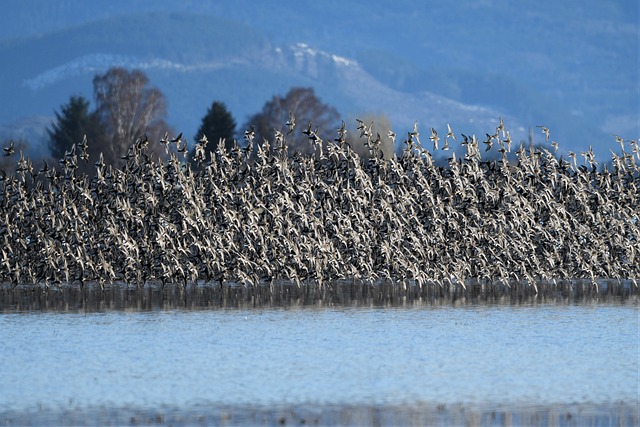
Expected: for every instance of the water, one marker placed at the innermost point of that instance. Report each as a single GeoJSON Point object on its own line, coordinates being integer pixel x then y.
{"type": "Point", "coordinates": [478, 355]}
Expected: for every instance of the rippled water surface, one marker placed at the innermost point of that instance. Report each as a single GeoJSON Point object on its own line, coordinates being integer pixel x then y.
{"type": "Point", "coordinates": [523, 355]}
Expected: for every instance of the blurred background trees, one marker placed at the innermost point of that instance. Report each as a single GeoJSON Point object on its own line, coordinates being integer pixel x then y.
{"type": "Point", "coordinates": [127, 108]}
{"type": "Point", "coordinates": [73, 122]}
{"type": "Point", "coordinates": [378, 125]}
{"type": "Point", "coordinates": [306, 107]}
{"type": "Point", "coordinates": [217, 125]}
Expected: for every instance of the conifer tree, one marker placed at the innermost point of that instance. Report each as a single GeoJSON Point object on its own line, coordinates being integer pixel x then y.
{"type": "Point", "coordinates": [73, 122]}
{"type": "Point", "coordinates": [217, 125]}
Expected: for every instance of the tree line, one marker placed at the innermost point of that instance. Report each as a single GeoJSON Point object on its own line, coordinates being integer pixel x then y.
{"type": "Point", "coordinates": [128, 109]}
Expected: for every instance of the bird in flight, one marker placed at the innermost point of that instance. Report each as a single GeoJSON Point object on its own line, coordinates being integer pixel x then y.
{"type": "Point", "coordinates": [9, 150]}
{"type": "Point", "coordinates": [291, 123]}
{"type": "Point", "coordinates": [435, 138]}
{"type": "Point", "coordinates": [545, 130]}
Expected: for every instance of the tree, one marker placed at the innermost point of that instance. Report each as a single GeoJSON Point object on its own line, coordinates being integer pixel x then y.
{"type": "Point", "coordinates": [306, 107]}
{"type": "Point", "coordinates": [218, 124]}
{"type": "Point", "coordinates": [73, 122]}
{"type": "Point", "coordinates": [376, 124]}
{"type": "Point", "coordinates": [128, 109]}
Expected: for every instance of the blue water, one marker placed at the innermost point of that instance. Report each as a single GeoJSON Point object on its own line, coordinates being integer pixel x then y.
{"type": "Point", "coordinates": [475, 354]}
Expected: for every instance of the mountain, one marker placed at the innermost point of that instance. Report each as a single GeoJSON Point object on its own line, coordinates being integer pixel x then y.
{"type": "Point", "coordinates": [571, 66]}
{"type": "Point", "coordinates": [230, 63]}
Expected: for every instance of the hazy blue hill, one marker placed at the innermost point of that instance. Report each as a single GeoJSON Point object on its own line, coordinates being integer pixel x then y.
{"type": "Point", "coordinates": [171, 36]}
{"type": "Point", "coordinates": [46, 70]}
{"type": "Point", "coordinates": [194, 60]}
{"type": "Point", "coordinates": [489, 89]}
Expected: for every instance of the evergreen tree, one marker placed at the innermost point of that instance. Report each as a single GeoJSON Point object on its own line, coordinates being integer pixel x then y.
{"type": "Point", "coordinates": [218, 124]}
{"type": "Point", "coordinates": [73, 122]}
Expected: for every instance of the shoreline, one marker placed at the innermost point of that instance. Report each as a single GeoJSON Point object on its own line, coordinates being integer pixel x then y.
{"type": "Point", "coordinates": [417, 413]}
{"type": "Point", "coordinates": [154, 295]}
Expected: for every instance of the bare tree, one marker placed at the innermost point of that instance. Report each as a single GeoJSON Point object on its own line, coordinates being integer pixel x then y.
{"type": "Point", "coordinates": [369, 131]}
{"type": "Point", "coordinates": [129, 110]}
{"type": "Point", "coordinates": [307, 109]}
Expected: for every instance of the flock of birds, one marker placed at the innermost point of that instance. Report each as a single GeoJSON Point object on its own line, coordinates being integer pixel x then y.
{"type": "Point", "coordinates": [260, 213]}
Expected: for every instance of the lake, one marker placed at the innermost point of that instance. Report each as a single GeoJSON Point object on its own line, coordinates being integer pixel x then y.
{"type": "Point", "coordinates": [411, 364]}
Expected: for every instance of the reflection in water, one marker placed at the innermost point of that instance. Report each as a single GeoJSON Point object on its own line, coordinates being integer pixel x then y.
{"type": "Point", "coordinates": [120, 296]}
{"type": "Point", "coordinates": [421, 414]}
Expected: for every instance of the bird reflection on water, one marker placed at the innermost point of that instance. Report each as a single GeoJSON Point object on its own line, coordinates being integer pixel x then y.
{"type": "Point", "coordinates": [255, 217]}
